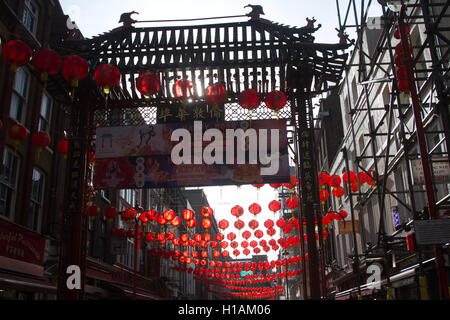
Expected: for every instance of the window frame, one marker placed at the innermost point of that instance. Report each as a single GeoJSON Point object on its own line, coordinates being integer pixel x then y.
{"type": "Point", "coordinates": [46, 120]}
{"type": "Point", "coordinates": [11, 188]}
{"type": "Point", "coordinates": [23, 99]}
{"type": "Point", "coordinates": [37, 223]}
{"type": "Point", "coordinates": [28, 12]}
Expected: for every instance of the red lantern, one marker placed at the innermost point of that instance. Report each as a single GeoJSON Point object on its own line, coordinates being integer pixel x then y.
{"type": "Point", "coordinates": [259, 234]}
{"type": "Point", "coordinates": [187, 214]}
{"type": "Point", "coordinates": [249, 99]}
{"type": "Point", "coordinates": [223, 224]}
{"type": "Point", "coordinates": [176, 221]}
{"type": "Point", "coordinates": [143, 218]}
{"type": "Point", "coordinates": [223, 244]}
{"type": "Point", "coordinates": [326, 220]}
{"type": "Point", "coordinates": [161, 220]}
{"type": "Point", "coordinates": [169, 214]}
{"type": "Point", "coordinates": [281, 223]}
{"type": "Point", "coordinates": [148, 84]}
{"type": "Point", "coordinates": [338, 192]}
{"type": "Point", "coordinates": [17, 132]}
{"type": "Point", "coordinates": [275, 100]}
{"type": "Point", "coordinates": [16, 53]}
{"type": "Point", "coordinates": [349, 177]}
{"type": "Point", "coordinates": [239, 224]}
{"type": "Point", "coordinates": [246, 234]}
{"type": "Point", "coordinates": [198, 237]}
{"type": "Point", "coordinates": [191, 223]}
{"type": "Point", "coordinates": [287, 228]}
{"type": "Point", "coordinates": [41, 140]}
{"type": "Point", "coordinates": [74, 69]}
{"type": "Point", "coordinates": [343, 214]}
{"type": "Point", "coordinates": [220, 237]}
{"type": "Point", "coordinates": [253, 243]}
{"type": "Point", "coordinates": [291, 202]}
{"type": "Point", "coordinates": [47, 62]}
{"type": "Point", "coordinates": [231, 236]}
{"type": "Point", "coordinates": [246, 252]}
{"type": "Point", "coordinates": [93, 211]}
{"type": "Point", "coordinates": [275, 185]}
{"type": "Point", "coordinates": [215, 94]}
{"type": "Point", "coordinates": [397, 32]}
{"type": "Point", "coordinates": [206, 223]}
{"type": "Point", "coordinates": [63, 147]}
{"type": "Point", "coordinates": [269, 223]}
{"type": "Point", "coordinates": [293, 222]}
{"type": "Point", "coordinates": [253, 224]}
{"type": "Point", "coordinates": [335, 180]}
{"type": "Point", "coordinates": [237, 211]}
{"type": "Point", "coordinates": [274, 206]}
{"type": "Point", "coordinates": [107, 76]}
{"type": "Point", "coordinates": [254, 208]}
{"type": "Point", "coordinates": [323, 179]}
{"type": "Point", "coordinates": [110, 213]}
{"type": "Point", "coordinates": [291, 184]}
{"type": "Point", "coordinates": [206, 212]}
{"type": "Point", "coordinates": [363, 177]}
{"type": "Point", "coordinates": [225, 253]}
{"type": "Point", "coordinates": [183, 90]}
{"type": "Point", "coordinates": [271, 231]}
{"type": "Point", "coordinates": [184, 237]}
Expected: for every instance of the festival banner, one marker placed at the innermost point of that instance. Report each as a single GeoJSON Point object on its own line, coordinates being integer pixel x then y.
{"type": "Point", "coordinates": [146, 157]}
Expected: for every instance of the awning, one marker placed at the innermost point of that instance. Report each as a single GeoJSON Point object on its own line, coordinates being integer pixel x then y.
{"type": "Point", "coordinates": [26, 284]}
{"type": "Point", "coordinates": [120, 289]}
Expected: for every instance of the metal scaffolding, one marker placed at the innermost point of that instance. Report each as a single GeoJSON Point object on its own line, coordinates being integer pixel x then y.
{"type": "Point", "coordinates": [419, 119]}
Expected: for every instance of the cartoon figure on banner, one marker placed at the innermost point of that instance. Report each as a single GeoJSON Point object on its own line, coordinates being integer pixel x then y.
{"type": "Point", "coordinates": [113, 173]}
{"type": "Point", "coordinates": [150, 132]}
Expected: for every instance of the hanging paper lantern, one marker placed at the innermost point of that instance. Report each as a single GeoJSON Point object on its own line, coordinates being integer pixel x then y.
{"type": "Point", "coordinates": [326, 220]}
{"type": "Point", "coordinates": [93, 211]}
{"type": "Point", "coordinates": [231, 236]}
{"type": "Point", "coordinates": [191, 223]}
{"type": "Point", "coordinates": [275, 185]}
{"type": "Point", "coordinates": [246, 234]}
{"type": "Point", "coordinates": [206, 212]}
{"type": "Point", "coordinates": [343, 214]}
{"type": "Point", "coordinates": [74, 69]}
{"type": "Point", "coordinates": [234, 244]}
{"type": "Point", "coordinates": [107, 76]}
{"type": "Point", "coordinates": [215, 94]}
{"type": "Point", "coordinates": [335, 180]}
{"type": "Point", "coordinates": [198, 237]}
{"type": "Point", "coordinates": [110, 213]}
{"type": "Point", "coordinates": [220, 237]}
{"type": "Point", "coordinates": [338, 192]}
{"type": "Point", "coordinates": [271, 231]}
{"type": "Point", "coordinates": [183, 90]}
{"type": "Point", "coordinates": [258, 234]}
{"type": "Point", "coordinates": [216, 254]}
{"type": "Point", "coordinates": [213, 244]}
{"type": "Point", "coordinates": [225, 253]}
{"type": "Point", "coordinates": [206, 223]}
{"type": "Point", "coordinates": [187, 214]}
{"type": "Point", "coordinates": [281, 223]}
{"type": "Point", "coordinates": [269, 223]}
{"type": "Point", "coordinates": [223, 224]}
{"type": "Point", "coordinates": [184, 237]}
{"type": "Point", "coordinates": [161, 220]}
{"type": "Point", "coordinates": [47, 62]}
{"type": "Point", "coordinates": [275, 100]}
{"type": "Point", "coordinates": [254, 209]}
{"type": "Point", "coordinates": [293, 222]}
{"type": "Point", "coordinates": [253, 243]}
{"type": "Point", "coordinates": [16, 53]}
{"type": "Point", "coordinates": [292, 183]}
{"type": "Point", "coordinates": [291, 202]}
{"type": "Point", "coordinates": [323, 196]}
{"type": "Point", "coordinates": [407, 30]}
{"type": "Point", "coordinates": [17, 132]}
{"type": "Point", "coordinates": [249, 99]}
{"type": "Point", "coordinates": [239, 224]}
{"type": "Point", "coordinates": [256, 250]}
{"type": "Point", "coordinates": [170, 236]}
{"type": "Point", "coordinates": [323, 179]}
{"type": "Point", "coordinates": [63, 147]}
{"type": "Point", "coordinates": [274, 206]}
{"type": "Point", "coordinates": [169, 214]}
{"type": "Point", "coordinates": [176, 242]}
{"type": "Point", "coordinates": [143, 218]}
{"type": "Point", "coordinates": [246, 252]}
{"type": "Point", "coordinates": [237, 211]}
{"type": "Point", "coordinates": [148, 84]}
{"type": "Point", "coordinates": [223, 244]}
{"type": "Point", "coordinates": [349, 177]}
{"type": "Point", "coordinates": [363, 177]}
{"type": "Point", "coordinates": [253, 224]}
{"type": "Point", "coordinates": [287, 228]}
{"type": "Point", "coordinates": [175, 222]}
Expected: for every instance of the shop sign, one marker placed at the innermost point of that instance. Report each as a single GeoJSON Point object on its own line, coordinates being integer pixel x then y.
{"type": "Point", "coordinates": [21, 244]}
{"type": "Point", "coordinates": [441, 171]}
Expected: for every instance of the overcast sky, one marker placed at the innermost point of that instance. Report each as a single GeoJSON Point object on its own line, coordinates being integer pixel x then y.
{"type": "Point", "coordinates": [96, 17]}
